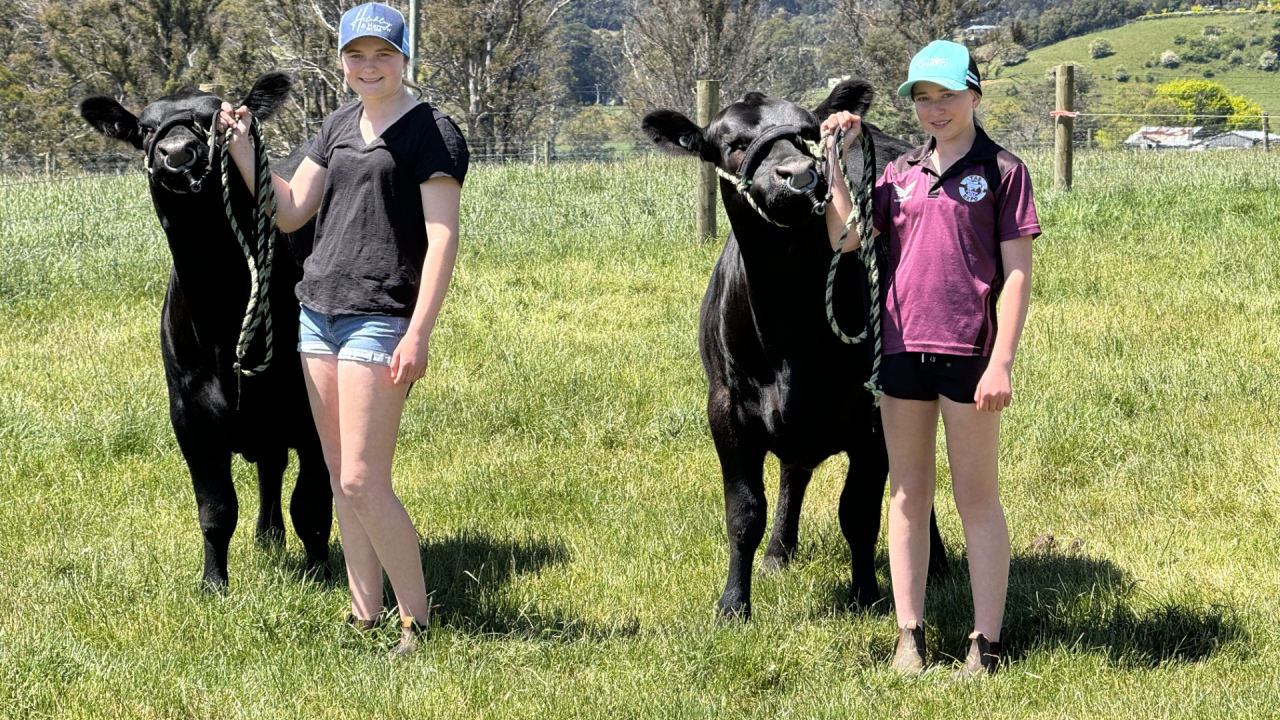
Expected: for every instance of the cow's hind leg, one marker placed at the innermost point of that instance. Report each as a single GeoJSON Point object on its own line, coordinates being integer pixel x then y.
{"type": "Point", "coordinates": [270, 529]}
{"type": "Point", "coordinates": [792, 483]}
{"type": "Point", "coordinates": [745, 508]}
{"type": "Point", "coordinates": [311, 507]}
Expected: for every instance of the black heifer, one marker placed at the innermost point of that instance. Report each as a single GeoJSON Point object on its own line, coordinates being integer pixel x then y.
{"type": "Point", "coordinates": [780, 381]}
{"type": "Point", "coordinates": [216, 413]}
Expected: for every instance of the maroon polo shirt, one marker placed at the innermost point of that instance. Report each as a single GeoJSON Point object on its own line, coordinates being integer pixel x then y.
{"type": "Point", "coordinates": [944, 236]}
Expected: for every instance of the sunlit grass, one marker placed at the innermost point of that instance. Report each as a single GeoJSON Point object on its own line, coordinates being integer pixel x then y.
{"type": "Point", "coordinates": [557, 464]}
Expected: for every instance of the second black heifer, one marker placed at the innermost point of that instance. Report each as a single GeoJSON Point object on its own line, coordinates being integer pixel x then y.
{"type": "Point", "coordinates": [779, 380]}
{"type": "Point", "coordinates": [215, 411]}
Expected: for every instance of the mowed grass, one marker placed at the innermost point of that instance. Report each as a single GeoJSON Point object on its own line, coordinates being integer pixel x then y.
{"type": "Point", "coordinates": [557, 464]}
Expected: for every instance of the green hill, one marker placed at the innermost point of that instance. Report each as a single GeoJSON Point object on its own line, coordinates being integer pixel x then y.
{"type": "Point", "coordinates": [1142, 42]}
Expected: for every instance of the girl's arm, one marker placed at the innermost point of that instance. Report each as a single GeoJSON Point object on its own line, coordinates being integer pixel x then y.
{"type": "Point", "coordinates": [841, 204]}
{"type": "Point", "coordinates": [441, 198]}
{"type": "Point", "coordinates": [995, 389]}
{"type": "Point", "coordinates": [296, 200]}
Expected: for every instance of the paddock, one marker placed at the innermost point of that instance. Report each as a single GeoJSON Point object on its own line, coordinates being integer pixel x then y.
{"type": "Point", "coordinates": [557, 463]}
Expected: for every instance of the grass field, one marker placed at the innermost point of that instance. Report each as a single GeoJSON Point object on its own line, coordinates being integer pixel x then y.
{"type": "Point", "coordinates": [1139, 42]}
{"type": "Point", "coordinates": [557, 464]}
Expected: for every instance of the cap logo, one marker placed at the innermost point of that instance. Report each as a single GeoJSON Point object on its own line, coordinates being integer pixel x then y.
{"type": "Point", "coordinates": [365, 21]}
{"type": "Point", "coordinates": [933, 62]}
{"type": "Point", "coordinates": [973, 188]}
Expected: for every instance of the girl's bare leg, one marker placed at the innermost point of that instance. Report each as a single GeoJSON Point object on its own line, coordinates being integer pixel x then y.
{"type": "Point", "coordinates": [364, 572]}
{"type": "Point", "coordinates": [369, 421]}
{"type": "Point", "coordinates": [910, 430]}
{"type": "Point", "coordinates": [973, 445]}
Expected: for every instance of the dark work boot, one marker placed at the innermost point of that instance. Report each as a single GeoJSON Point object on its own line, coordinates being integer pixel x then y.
{"type": "Point", "coordinates": [983, 658]}
{"type": "Point", "coordinates": [908, 656]}
{"type": "Point", "coordinates": [362, 624]}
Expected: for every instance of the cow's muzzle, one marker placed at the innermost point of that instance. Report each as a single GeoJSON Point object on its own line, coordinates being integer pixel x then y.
{"type": "Point", "coordinates": [179, 157]}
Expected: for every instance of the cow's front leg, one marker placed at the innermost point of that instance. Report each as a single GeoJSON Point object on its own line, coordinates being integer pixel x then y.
{"type": "Point", "coordinates": [210, 468]}
{"type": "Point", "coordinates": [311, 507]}
{"type": "Point", "coordinates": [270, 529]}
{"type": "Point", "coordinates": [860, 504]}
{"type": "Point", "coordinates": [745, 508]}
{"type": "Point", "coordinates": [792, 483]}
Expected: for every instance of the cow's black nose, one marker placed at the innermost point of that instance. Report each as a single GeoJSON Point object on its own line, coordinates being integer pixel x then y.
{"type": "Point", "coordinates": [798, 173]}
{"type": "Point", "coordinates": [176, 155]}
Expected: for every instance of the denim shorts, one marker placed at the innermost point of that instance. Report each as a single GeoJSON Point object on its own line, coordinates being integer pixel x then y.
{"type": "Point", "coordinates": [363, 338]}
{"type": "Point", "coordinates": [925, 376]}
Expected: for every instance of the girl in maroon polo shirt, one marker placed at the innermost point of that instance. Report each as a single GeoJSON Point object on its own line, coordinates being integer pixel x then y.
{"type": "Point", "coordinates": [959, 218]}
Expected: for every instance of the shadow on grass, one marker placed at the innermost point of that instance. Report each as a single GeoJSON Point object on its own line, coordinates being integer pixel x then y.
{"type": "Point", "coordinates": [467, 576]}
{"type": "Point", "coordinates": [1071, 601]}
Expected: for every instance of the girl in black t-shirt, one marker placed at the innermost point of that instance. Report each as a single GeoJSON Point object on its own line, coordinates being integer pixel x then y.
{"type": "Point", "coordinates": [371, 291]}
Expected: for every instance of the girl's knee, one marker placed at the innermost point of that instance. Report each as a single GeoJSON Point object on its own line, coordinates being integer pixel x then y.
{"type": "Point", "coordinates": [912, 500]}
{"type": "Point", "coordinates": [977, 502]}
{"type": "Point", "coordinates": [362, 491]}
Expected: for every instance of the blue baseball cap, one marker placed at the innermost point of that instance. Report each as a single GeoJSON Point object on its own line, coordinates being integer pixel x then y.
{"type": "Point", "coordinates": [374, 20]}
{"type": "Point", "coordinates": [945, 63]}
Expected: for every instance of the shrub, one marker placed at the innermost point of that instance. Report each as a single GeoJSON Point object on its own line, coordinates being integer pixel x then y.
{"type": "Point", "coordinates": [1179, 39]}
{"type": "Point", "coordinates": [1099, 48]}
{"type": "Point", "coordinates": [1235, 58]}
{"type": "Point", "coordinates": [1211, 31]}
{"type": "Point", "coordinates": [1233, 41]}
{"type": "Point", "coordinates": [1151, 78]}
{"type": "Point", "coordinates": [1122, 73]}
{"type": "Point", "coordinates": [1012, 55]}
{"type": "Point", "coordinates": [1170, 59]}
{"type": "Point", "coordinates": [1146, 64]}
{"type": "Point", "coordinates": [1268, 61]}
{"type": "Point", "coordinates": [1207, 73]}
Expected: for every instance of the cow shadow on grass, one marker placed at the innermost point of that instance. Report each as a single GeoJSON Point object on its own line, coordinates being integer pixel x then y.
{"type": "Point", "coordinates": [1064, 600]}
{"type": "Point", "coordinates": [468, 577]}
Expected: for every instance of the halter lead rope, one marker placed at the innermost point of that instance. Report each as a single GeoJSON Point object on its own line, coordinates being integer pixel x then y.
{"type": "Point", "coordinates": [861, 213]}
{"type": "Point", "coordinates": [258, 312]}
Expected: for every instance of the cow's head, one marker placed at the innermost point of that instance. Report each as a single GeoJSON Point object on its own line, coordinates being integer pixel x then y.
{"type": "Point", "coordinates": [174, 130]}
{"type": "Point", "coordinates": [753, 139]}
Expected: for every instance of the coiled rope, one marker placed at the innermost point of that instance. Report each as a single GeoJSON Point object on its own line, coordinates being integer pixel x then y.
{"type": "Point", "coordinates": [258, 313]}
{"type": "Point", "coordinates": [861, 214]}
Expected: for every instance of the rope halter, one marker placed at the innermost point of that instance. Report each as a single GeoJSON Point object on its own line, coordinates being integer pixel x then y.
{"type": "Point", "coordinates": [754, 155]}
{"type": "Point", "coordinates": [188, 119]}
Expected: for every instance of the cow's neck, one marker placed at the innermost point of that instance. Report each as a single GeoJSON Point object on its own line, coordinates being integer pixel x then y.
{"type": "Point", "coordinates": [785, 280]}
{"type": "Point", "coordinates": [208, 263]}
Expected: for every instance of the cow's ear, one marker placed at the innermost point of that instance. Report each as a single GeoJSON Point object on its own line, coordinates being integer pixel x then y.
{"type": "Point", "coordinates": [677, 133]}
{"type": "Point", "coordinates": [268, 95]}
{"type": "Point", "coordinates": [853, 95]}
{"type": "Point", "coordinates": [110, 118]}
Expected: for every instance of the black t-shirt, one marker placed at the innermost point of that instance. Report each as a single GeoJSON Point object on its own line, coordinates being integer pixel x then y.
{"type": "Point", "coordinates": [371, 236]}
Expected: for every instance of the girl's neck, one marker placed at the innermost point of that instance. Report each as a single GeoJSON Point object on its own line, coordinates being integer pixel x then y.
{"type": "Point", "coordinates": [954, 148]}
{"type": "Point", "coordinates": [387, 108]}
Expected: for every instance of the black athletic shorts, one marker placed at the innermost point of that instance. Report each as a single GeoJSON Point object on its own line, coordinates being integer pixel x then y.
{"type": "Point", "coordinates": [925, 376]}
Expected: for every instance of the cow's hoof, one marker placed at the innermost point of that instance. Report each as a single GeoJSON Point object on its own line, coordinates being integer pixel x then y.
{"type": "Point", "coordinates": [863, 598]}
{"type": "Point", "coordinates": [774, 562]}
{"type": "Point", "coordinates": [733, 610]}
{"type": "Point", "coordinates": [214, 585]}
{"type": "Point", "coordinates": [318, 571]}
{"type": "Point", "coordinates": [269, 538]}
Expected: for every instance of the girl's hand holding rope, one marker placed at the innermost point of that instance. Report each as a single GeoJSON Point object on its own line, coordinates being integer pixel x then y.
{"type": "Point", "coordinates": [241, 145]}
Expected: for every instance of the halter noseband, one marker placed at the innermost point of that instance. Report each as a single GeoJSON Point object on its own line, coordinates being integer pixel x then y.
{"type": "Point", "coordinates": [206, 136]}
{"type": "Point", "coordinates": [754, 155]}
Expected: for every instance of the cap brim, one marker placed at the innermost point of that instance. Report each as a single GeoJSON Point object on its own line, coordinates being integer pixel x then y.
{"type": "Point", "coordinates": [904, 90]}
{"type": "Point", "coordinates": [372, 35]}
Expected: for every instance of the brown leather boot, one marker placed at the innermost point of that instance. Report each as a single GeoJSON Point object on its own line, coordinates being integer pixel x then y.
{"type": "Point", "coordinates": [411, 635]}
{"type": "Point", "coordinates": [908, 656]}
{"type": "Point", "coordinates": [361, 624]}
{"type": "Point", "coordinates": [983, 657]}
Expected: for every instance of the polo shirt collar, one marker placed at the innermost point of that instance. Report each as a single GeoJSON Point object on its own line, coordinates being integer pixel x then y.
{"type": "Point", "coordinates": [983, 149]}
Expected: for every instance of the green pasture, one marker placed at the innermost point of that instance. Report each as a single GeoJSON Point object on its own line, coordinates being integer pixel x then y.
{"type": "Point", "coordinates": [557, 464]}
{"type": "Point", "coordinates": [1139, 42]}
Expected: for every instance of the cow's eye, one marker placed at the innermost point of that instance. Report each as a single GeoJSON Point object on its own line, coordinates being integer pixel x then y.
{"type": "Point", "coordinates": [738, 145]}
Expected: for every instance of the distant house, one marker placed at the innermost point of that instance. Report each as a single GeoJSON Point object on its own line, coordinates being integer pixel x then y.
{"type": "Point", "coordinates": [1237, 140]}
{"type": "Point", "coordinates": [975, 34]}
{"type": "Point", "coordinates": [1165, 138]}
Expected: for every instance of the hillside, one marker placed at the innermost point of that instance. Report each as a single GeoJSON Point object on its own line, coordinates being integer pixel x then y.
{"type": "Point", "coordinates": [1143, 41]}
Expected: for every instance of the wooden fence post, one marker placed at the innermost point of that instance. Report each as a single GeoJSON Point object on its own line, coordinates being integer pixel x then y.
{"type": "Point", "coordinates": [708, 106]}
{"type": "Point", "coordinates": [1064, 125]}
{"type": "Point", "coordinates": [1266, 133]}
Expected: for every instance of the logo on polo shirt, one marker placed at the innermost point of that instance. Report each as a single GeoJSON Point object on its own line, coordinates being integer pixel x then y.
{"type": "Point", "coordinates": [904, 194]}
{"type": "Point", "coordinates": [973, 188]}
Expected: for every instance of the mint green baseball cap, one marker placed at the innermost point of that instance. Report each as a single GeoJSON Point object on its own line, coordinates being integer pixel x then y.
{"type": "Point", "coordinates": [945, 63]}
